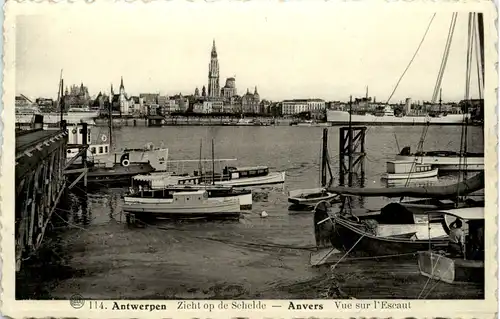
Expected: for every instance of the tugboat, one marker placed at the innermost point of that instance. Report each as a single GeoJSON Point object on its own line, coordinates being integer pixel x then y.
{"type": "Point", "coordinates": [116, 174]}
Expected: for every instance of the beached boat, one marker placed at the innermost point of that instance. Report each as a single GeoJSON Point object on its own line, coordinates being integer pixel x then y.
{"type": "Point", "coordinates": [164, 185]}
{"type": "Point", "coordinates": [445, 160]}
{"type": "Point", "coordinates": [194, 204]}
{"type": "Point", "coordinates": [442, 266]}
{"type": "Point", "coordinates": [383, 234]}
{"type": "Point", "coordinates": [405, 170]}
{"type": "Point", "coordinates": [398, 228]}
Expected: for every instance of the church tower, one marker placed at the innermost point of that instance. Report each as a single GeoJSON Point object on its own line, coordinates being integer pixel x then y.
{"type": "Point", "coordinates": [122, 87]}
{"type": "Point", "coordinates": [213, 74]}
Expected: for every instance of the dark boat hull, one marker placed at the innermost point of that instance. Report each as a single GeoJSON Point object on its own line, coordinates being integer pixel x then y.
{"type": "Point", "coordinates": [117, 175]}
{"type": "Point", "coordinates": [347, 236]}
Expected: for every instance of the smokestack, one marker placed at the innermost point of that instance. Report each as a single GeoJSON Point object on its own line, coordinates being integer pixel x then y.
{"type": "Point", "coordinates": [38, 122]}
{"type": "Point", "coordinates": [408, 105]}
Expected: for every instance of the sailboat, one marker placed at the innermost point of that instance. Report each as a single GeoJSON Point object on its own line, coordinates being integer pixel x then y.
{"type": "Point", "coordinates": [312, 196]}
{"type": "Point", "coordinates": [463, 160]}
{"type": "Point", "coordinates": [467, 265]}
{"type": "Point", "coordinates": [398, 229]}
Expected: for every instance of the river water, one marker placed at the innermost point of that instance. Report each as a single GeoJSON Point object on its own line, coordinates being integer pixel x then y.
{"type": "Point", "coordinates": [94, 253]}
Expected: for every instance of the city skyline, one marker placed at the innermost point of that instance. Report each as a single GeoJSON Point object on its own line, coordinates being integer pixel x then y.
{"type": "Point", "coordinates": [327, 57]}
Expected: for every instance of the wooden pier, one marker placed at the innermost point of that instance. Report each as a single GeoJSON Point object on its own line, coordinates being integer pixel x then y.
{"type": "Point", "coordinates": [39, 182]}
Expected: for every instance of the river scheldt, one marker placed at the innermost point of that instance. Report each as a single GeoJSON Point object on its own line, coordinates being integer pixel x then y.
{"type": "Point", "coordinates": [98, 255]}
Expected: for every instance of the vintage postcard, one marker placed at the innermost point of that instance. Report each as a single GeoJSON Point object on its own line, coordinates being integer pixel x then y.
{"type": "Point", "coordinates": [263, 159]}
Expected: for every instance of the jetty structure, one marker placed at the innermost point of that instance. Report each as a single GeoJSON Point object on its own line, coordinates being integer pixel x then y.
{"type": "Point", "coordinates": [41, 171]}
{"type": "Point", "coordinates": [305, 198]}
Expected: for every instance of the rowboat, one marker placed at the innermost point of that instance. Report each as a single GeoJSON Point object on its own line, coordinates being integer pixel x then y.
{"type": "Point", "coordinates": [310, 197]}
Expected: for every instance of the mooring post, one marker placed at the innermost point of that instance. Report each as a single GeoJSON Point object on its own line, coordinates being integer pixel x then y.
{"type": "Point", "coordinates": [341, 155]}
{"type": "Point", "coordinates": [84, 154]}
{"type": "Point", "coordinates": [324, 157]}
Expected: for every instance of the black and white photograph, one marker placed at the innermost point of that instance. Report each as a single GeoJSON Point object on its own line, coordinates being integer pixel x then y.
{"type": "Point", "coordinates": [251, 153]}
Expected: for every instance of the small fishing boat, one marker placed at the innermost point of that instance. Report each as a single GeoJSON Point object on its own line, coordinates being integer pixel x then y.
{"type": "Point", "coordinates": [445, 160]}
{"type": "Point", "coordinates": [194, 204]}
{"type": "Point", "coordinates": [310, 197]}
{"type": "Point", "coordinates": [441, 265]}
{"type": "Point", "coordinates": [164, 185]}
{"type": "Point", "coordinates": [405, 170]}
{"type": "Point", "coordinates": [117, 173]}
{"type": "Point", "coordinates": [245, 176]}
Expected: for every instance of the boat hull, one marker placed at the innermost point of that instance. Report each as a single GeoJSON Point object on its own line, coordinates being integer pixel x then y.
{"type": "Point", "coordinates": [116, 175]}
{"type": "Point", "coordinates": [342, 118]}
{"type": "Point", "coordinates": [346, 237]}
{"type": "Point", "coordinates": [271, 178]}
{"type": "Point", "coordinates": [243, 197]}
{"type": "Point", "coordinates": [450, 270]}
{"type": "Point", "coordinates": [310, 197]}
{"type": "Point", "coordinates": [452, 163]}
{"type": "Point", "coordinates": [170, 209]}
{"type": "Point", "coordinates": [413, 175]}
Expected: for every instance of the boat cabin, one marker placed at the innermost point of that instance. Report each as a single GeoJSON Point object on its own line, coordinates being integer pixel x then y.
{"type": "Point", "coordinates": [403, 167]}
{"type": "Point", "coordinates": [245, 172]}
{"type": "Point", "coordinates": [185, 198]}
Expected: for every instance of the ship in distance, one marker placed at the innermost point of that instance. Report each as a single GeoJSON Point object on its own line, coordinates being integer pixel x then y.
{"type": "Point", "coordinates": [387, 117]}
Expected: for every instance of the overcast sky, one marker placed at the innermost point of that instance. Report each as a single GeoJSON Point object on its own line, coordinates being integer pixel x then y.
{"type": "Point", "coordinates": [295, 52]}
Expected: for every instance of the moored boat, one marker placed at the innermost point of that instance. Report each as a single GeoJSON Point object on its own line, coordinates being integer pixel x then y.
{"type": "Point", "coordinates": [311, 196]}
{"type": "Point", "coordinates": [163, 185]}
{"type": "Point", "coordinates": [405, 170]}
{"type": "Point", "coordinates": [445, 160]}
{"type": "Point", "coordinates": [379, 235]}
{"type": "Point", "coordinates": [245, 176]}
{"type": "Point", "coordinates": [194, 204]}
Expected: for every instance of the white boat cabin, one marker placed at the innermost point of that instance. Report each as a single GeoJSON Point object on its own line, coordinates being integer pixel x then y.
{"type": "Point", "coordinates": [186, 198]}
{"type": "Point", "coordinates": [404, 167]}
{"type": "Point", "coordinates": [246, 172]}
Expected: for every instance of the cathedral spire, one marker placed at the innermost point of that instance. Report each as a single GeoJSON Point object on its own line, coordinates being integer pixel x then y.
{"type": "Point", "coordinates": [214, 50]}
{"type": "Point", "coordinates": [112, 93]}
{"type": "Point", "coordinates": [255, 91]}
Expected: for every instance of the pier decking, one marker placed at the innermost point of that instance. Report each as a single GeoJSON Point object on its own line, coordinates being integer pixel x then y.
{"type": "Point", "coordinates": [39, 182]}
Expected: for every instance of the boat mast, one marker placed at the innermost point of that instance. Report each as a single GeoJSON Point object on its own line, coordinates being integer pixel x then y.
{"type": "Point", "coordinates": [110, 116]}
{"type": "Point", "coordinates": [440, 99]}
{"type": "Point", "coordinates": [60, 98]}
{"type": "Point", "coordinates": [213, 164]}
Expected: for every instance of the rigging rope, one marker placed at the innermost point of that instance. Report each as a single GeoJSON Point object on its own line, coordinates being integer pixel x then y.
{"type": "Point", "coordinates": [445, 57]}
{"type": "Point", "coordinates": [411, 61]}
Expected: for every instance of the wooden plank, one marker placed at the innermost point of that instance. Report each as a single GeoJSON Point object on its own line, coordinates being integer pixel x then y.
{"type": "Point", "coordinates": [322, 256]}
{"type": "Point", "coordinates": [80, 153]}
{"type": "Point", "coordinates": [84, 173]}
{"type": "Point", "coordinates": [76, 170]}
{"type": "Point", "coordinates": [33, 206]}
